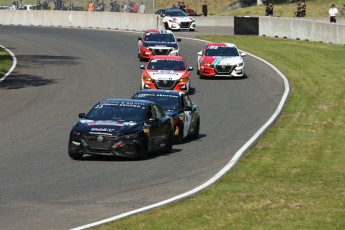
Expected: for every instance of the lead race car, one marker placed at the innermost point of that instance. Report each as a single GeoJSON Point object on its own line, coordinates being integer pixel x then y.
{"type": "Point", "coordinates": [180, 107]}
{"type": "Point", "coordinates": [166, 72]}
{"type": "Point", "coordinates": [220, 60]}
{"type": "Point", "coordinates": [157, 42]}
{"type": "Point", "coordinates": [121, 127]}
{"type": "Point", "coordinates": [176, 19]}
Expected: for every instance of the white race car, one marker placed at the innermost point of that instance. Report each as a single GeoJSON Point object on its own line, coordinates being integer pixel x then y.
{"type": "Point", "coordinates": [175, 19]}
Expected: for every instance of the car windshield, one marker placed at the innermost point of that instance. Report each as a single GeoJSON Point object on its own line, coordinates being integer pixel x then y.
{"type": "Point", "coordinates": [118, 111]}
{"type": "Point", "coordinates": [221, 51]}
{"type": "Point", "coordinates": [168, 102]}
{"type": "Point", "coordinates": [175, 13]}
{"type": "Point", "coordinates": [159, 37]}
{"type": "Point", "coordinates": [163, 64]}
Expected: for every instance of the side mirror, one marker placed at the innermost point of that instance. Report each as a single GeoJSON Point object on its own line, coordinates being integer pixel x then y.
{"type": "Point", "coordinates": [162, 15]}
{"type": "Point", "coordinates": [190, 68]}
{"type": "Point", "coordinates": [139, 38]}
{"type": "Point", "coordinates": [142, 66]}
{"type": "Point", "coordinates": [81, 115]}
{"type": "Point", "coordinates": [243, 54]}
{"type": "Point", "coordinates": [200, 53]}
{"type": "Point", "coordinates": [188, 108]}
{"type": "Point", "coordinates": [179, 39]}
{"type": "Point", "coordinates": [153, 119]}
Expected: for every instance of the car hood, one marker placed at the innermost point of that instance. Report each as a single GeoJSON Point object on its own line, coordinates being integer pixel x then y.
{"type": "Point", "coordinates": [165, 74]}
{"type": "Point", "coordinates": [108, 126]}
{"type": "Point", "coordinates": [182, 19]}
{"type": "Point", "coordinates": [217, 60]}
{"type": "Point", "coordinates": [159, 44]}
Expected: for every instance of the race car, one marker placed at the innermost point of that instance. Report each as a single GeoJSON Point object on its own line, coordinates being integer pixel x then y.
{"type": "Point", "coordinates": [166, 72]}
{"type": "Point", "coordinates": [220, 60]}
{"type": "Point", "coordinates": [157, 42]}
{"type": "Point", "coordinates": [122, 127]}
{"type": "Point", "coordinates": [180, 107]}
{"type": "Point", "coordinates": [176, 19]}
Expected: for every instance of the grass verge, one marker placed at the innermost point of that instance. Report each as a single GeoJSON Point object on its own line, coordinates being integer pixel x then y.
{"type": "Point", "coordinates": [294, 177]}
{"type": "Point", "coordinates": [5, 62]}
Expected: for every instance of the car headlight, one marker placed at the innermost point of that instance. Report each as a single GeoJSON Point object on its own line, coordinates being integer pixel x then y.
{"type": "Point", "coordinates": [206, 63]}
{"type": "Point", "coordinates": [185, 79]}
{"type": "Point", "coordinates": [130, 136]}
{"type": "Point", "coordinates": [75, 133]}
{"type": "Point", "coordinates": [239, 64]}
{"type": "Point", "coordinates": [147, 78]}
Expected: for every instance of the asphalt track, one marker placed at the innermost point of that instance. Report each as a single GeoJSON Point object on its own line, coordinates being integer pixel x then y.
{"type": "Point", "coordinates": [62, 72]}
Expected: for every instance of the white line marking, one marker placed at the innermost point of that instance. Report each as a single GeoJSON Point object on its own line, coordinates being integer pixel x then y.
{"type": "Point", "coordinates": [231, 163]}
{"type": "Point", "coordinates": [13, 64]}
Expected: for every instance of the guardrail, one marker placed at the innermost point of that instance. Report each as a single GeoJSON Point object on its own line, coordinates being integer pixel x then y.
{"type": "Point", "coordinates": [82, 19]}
{"type": "Point", "coordinates": [292, 28]}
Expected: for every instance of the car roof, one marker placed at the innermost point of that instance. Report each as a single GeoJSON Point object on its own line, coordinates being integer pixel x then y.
{"type": "Point", "coordinates": [158, 31]}
{"type": "Point", "coordinates": [159, 91]}
{"type": "Point", "coordinates": [121, 100]}
{"type": "Point", "coordinates": [220, 44]}
{"type": "Point", "coordinates": [168, 57]}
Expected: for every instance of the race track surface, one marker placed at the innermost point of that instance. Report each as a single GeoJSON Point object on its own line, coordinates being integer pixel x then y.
{"type": "Point", "coordinates": [62, 72]}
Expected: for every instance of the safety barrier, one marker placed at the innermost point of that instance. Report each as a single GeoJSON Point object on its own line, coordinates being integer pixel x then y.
{"type": "Point", "coordinates": [292, 28]}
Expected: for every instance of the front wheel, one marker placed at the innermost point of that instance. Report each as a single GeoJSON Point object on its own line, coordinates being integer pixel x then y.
{"type": "Point", "coordinates": [169, 142]}
{"type": "Point", "coordinates": [180, 134]}
{"type": "Point", "coordinates": [74, 153]}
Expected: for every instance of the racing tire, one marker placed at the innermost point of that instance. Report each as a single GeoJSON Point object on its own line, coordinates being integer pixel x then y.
{"type": "Point", "coordinates": [166, 26]}
{"type": "Point", "coordinates": [169, 143]}
{"type": "Point", "coordinates": [179, 138]}
{"type": "Point", "coordinates": [196, 129]}
{"type": "Point", "coordinates": [75, 154]}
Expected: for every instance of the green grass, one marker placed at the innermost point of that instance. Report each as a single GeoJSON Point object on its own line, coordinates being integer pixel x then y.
{"type": "Point", "coordinates": [294, 177]}
{"type": "Point", "coordinates": [5, 62]}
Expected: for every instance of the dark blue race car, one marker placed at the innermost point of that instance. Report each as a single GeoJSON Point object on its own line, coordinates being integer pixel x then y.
{"type": "Point", "coordinates": [180, 107]}
{"type": "Point", "coordinates": [122, 127]}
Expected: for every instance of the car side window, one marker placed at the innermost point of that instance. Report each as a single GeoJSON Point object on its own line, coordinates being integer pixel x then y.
{"type": "Point", "coordinates": [186, 101]}
{"type": "Point", "coordinates": [156, 111]}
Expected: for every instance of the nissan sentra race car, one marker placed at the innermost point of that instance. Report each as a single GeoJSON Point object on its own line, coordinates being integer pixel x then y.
{"type": "Point", "coordinates": [157, 42]}
{"type": "Point", "coordinates": [166, 72]}
{"type": "Point", "coordinates": [180, 107]}
{"type": "Point", "coordinates": [176, 19]}
{"type": "Point", "coordinates": [121, 127]}
{"type": "Point", "coordinates": [220, 60]}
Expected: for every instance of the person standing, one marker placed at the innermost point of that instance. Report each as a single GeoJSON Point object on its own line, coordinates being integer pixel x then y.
{"type": "Point", "coordinates": [269, 9]}
{"type": "Point", "coordinates": [204, 8]}
{"type": "Point", "coordinates": [142, 8]}
{"type": "Point", "coordinates": [333, 11]}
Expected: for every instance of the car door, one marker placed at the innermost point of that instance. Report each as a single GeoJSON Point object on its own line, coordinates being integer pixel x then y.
{"type": "Point", "coordinates": [187, 114]}
{"type": "Point", "coordinates": [157, 133]}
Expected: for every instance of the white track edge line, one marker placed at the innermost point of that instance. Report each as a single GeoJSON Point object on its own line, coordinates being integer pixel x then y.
{"type": "Point", "coordinates": [13, 64]}
{"type": "Point", "coordinates": [230, 164]}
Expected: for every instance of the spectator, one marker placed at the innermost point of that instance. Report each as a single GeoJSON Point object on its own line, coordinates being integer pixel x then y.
{"type": "Point", "coordinates": [45, 5]}
{"type": "Point", "coordinates": [174, 6]}
{"type": "Point", "coordinates": [38, 5]}
{"type": "Point", "coordinates": [142, 8]}
{"type": "Point", "coordinates": [303, 8]}
{"type": "Point", "coordinates": [90, 6]}
{"type": "Point", "coordinates": [112, 6]}
{"type": "Point", "coordinates": [14, 6]}
{"type": "Point", "coordinates": [333, 11]}
{"type": "Point", "coordinates": [135, 8]}
{"type": "Point", "coordinates": [182, 6]}
{"type": "Point", "coordinates": [124, 7]}
{"type": "Point", "coordinates": [269, 9]}
{"type": "Point", "coordinates": [204, 8]}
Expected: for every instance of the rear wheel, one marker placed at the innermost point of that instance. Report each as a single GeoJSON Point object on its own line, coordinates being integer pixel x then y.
{"type": "Point", "coordinates": [196, 129]}
{"type": "Point", "coordinates": [180, 134]}
{"type": "Point", "coordinates": [169, 142]}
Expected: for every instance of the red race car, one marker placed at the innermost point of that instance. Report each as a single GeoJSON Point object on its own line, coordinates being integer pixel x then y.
{"type": "Point", "coordinates": [157, 42]}
{"type": "Point", "coordinates": [166, 72]}
{"type": "Point", "coordinates": [220, 60]}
